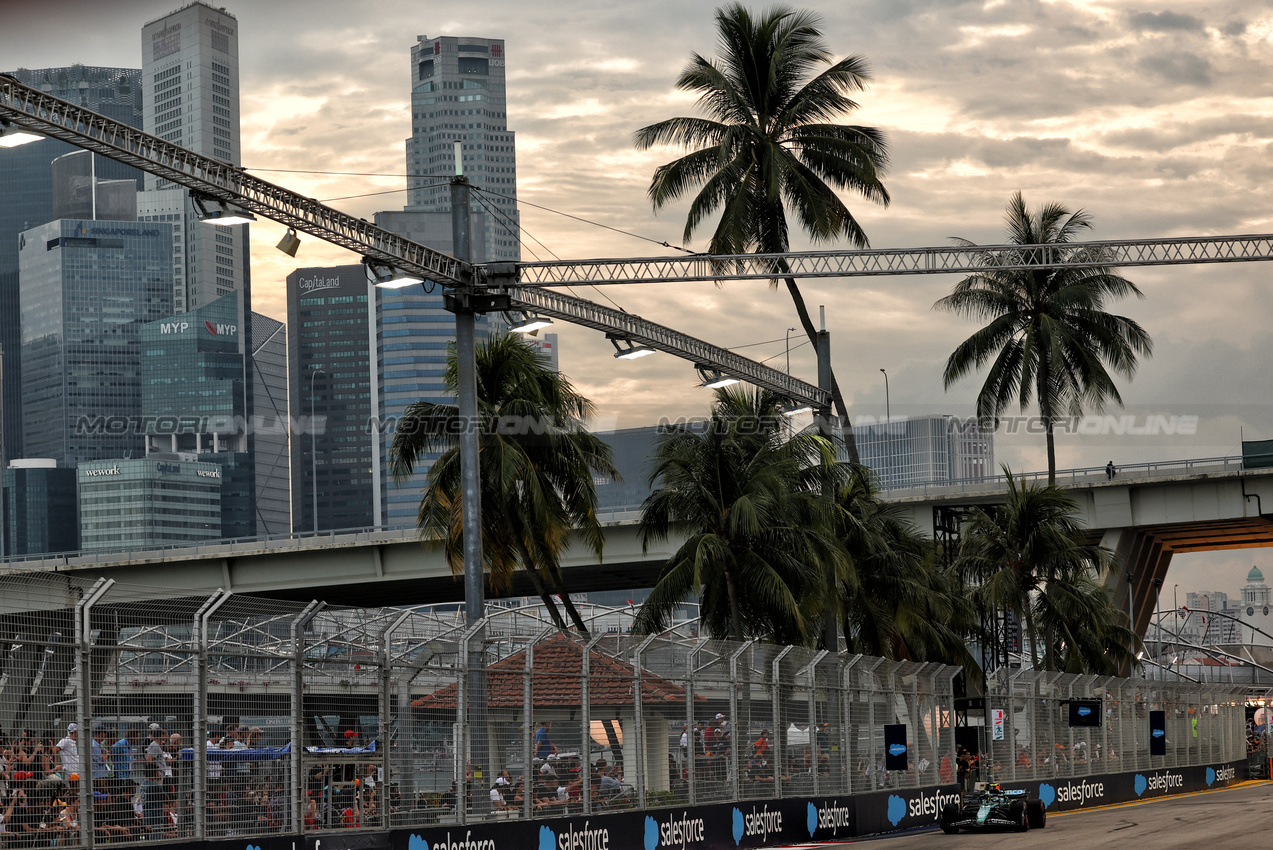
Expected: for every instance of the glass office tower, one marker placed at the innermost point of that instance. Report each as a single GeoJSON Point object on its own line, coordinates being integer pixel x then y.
{"type": "Point", "coordinates": [86, 288]}
{"type": "Point", "coordinates": [26, 201]}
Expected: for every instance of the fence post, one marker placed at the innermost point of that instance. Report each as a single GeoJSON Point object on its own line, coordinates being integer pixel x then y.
{"type": "Point", "coordinates": [463, 757]}
{"type": "Point", "coordinates": [302, 620]}
{"type": "Point", "coordinates": [638, 725]}
{"type": "Point", "coordinates": [83, 701]}
{"type": "Point", "coordinates": [735, 780]}
{"type": "Point", "coordinates": [812, 670]}
{"type": "Point", "coordinates": [691, 667]}
{"type": "Point", "coordinates": [780, 749]}
{"type": "Point", "coordinates": [585, 709]}
{"type": "Point", "coordinates": [528, 730]}
{"type": "Point", "coordinates": [199, 764]}
{"type": "Point", "coordinates": [847, 740]}
{"type": "Point", "coordinates": [870, 721]}
{"type": "Point", "coordinates": [386, 717]}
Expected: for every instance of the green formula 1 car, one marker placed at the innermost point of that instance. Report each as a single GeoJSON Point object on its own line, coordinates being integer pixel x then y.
{"type": "Point", "coordinates": [991, 807]}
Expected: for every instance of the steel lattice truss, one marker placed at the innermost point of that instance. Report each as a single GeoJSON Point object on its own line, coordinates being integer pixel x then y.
{"type": "Point", "coordinates": [37, 111]}
{"type": "Point", "coordinates": [546, 302]}
{"type": "Point", "coordinates": [1192, 250]}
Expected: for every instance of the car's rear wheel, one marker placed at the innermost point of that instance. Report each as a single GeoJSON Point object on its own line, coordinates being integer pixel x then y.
{"type": "Point", "coordinates": [950, 818]}
{"type": "Point", "coordinates": [1018, 816]}
{"type": "Point", "coordinates": [1037, 814]}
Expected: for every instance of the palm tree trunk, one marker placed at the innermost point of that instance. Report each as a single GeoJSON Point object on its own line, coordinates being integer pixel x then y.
{"type": "Point", "coordinates": [571, 611]}
{"type": "Point", "coordinates": [1045, 410]}
{"type": "Point", "coordinates": [532, 572]}
{"type": "Point", "coordinates": [735, 616]}
{"type": "Point", "coordinates": [837, 398]}
{"type": "Point", "coordinates": [1029, 627]}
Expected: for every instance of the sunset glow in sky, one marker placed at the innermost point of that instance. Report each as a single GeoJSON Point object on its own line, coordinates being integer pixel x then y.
{"type": "Point", "coordinates": [1155, 117]}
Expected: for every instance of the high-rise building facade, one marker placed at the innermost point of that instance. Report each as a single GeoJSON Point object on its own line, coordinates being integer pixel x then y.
{"type": "Point", "coordinates": [26, 201]}
{"type": "Point", "coordinates": [193, 401]}
{"type": "Point", "coordinates": [921, 450]}
{"type": "Point", "coordinates": [85, 289]}
{"type": "Point", "coordinates": [41, 508]}
{"type": "Point", "coordinates": [150, 501]}
{"type": "Point", "coordinates": [190, 81]}
{"type": "Point", "coordinates": [458, 95]}
{"type": "Point", "coordinates": [330, 399]}
{"type": "Point", "coordinates": [270, 426]}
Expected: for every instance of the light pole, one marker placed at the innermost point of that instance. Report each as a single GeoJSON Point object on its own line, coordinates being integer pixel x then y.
{"type": "Point", "coordinates": [313, 446]}
{"type": "Point", "coordinates": [789, 330]}
{"type": "Point", "coordinates": [888, 418]}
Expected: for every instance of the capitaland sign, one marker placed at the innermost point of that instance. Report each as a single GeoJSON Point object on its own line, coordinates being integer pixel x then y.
{"type": "Point", "coordinates": [310, 284]}
{"type": "Point", "coordinates": [168, 468]}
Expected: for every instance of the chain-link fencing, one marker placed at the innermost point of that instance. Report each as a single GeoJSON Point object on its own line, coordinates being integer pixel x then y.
{"type": "Point", "coordinates": [1031, 736]}
{"type": "Point", "coordinates": [231, 716]}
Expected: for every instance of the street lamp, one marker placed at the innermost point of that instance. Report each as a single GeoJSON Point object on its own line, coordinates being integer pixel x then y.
{"type": "Point", "coordinates": [313, 446]}
{"type": "Point", "coordinates": [789, 330]}
{"type": "Point", "coordinates": [888, 418]}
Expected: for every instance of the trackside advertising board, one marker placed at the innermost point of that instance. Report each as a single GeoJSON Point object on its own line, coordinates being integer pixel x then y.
{"type": "Point", "coordinates": [751, 824]}
{"type": "Point", "coordinates": [1063, 795]}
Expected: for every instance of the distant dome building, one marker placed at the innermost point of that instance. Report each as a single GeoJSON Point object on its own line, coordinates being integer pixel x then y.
{"type": "Point", "coordinates": [1255, 592]}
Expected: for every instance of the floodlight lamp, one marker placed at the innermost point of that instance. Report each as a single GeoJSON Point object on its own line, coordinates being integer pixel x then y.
{"type": "Point", "coordinates": [531, 323]}
{"type": "Point", "coordinates": [712, 379]}
{"type": "Point", "coordinates": [387, 277]}
{"type": "Point", "coordinates": [797, 409]}
{"type": "Point", "coordinates": [222, 214]}
{"type": "Point", "coordinates": [289, 243]}
{"type": "Point", "coordinates": [628, 351]}
{"type": "Point", "coordinates": [11, 137]}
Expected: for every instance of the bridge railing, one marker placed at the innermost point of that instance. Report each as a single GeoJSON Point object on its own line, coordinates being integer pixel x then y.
{"type": "Point", "coordinates": [1076, 477]}
{"type": "Point", "coordinates": [231, 716]}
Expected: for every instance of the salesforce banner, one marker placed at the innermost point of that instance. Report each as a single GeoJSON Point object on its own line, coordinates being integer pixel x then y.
{"type": "Point", "coordinates": [1063, 795]}
{"type": "Point", "coordinates": [758, 823]}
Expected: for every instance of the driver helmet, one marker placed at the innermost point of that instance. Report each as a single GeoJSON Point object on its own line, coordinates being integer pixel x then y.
{"type": "Point", "coordinates": [994, 787]}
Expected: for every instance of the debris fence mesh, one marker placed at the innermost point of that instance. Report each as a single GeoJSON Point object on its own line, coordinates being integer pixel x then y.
{"type": "Point", "coordinates": [176, 718]}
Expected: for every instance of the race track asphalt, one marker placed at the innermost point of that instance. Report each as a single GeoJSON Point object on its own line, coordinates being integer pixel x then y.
{"type": "Point", "coordinates": [1228, 819]}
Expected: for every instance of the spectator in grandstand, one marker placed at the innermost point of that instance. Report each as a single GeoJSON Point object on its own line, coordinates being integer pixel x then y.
{"type": "Point", "coordinates": [544, 747]}
{"type": "Point", "coordinates": [101, 755]}
{"type": "Point", "coordinates": [152, 789]}
{"type": "Point", "coordinates": [67, 749]}
{"type": "Point", "coordinates": [123, 753]}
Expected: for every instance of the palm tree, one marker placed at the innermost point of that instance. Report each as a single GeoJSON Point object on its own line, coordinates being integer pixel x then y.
{"type": "Point", "coordinates": [1047, 330]}
{"type": "Point", "coordinates": [768, 144]}
{"type": "Point", "coordinates": [898, 603]}
{"type": "Point", "coordinates": [757, 552]}
{"type": "Point", "coordinates": [1031, 556]}
{"type": "Point", "coordinates": [537, 463]}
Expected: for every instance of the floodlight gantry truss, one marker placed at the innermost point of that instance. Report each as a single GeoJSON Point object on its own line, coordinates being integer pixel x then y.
{"type": "Point", "coordinates": [524, 282]}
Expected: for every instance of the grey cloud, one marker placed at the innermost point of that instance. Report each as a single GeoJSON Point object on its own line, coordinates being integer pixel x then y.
{"type": "Point", "coordinates": [1179, 67]}
{"type": "Point", "coordinates": [1165, 22]}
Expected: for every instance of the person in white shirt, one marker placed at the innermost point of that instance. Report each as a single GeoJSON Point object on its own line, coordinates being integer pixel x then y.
{"type": "Point", "coordinates": [68, 753]}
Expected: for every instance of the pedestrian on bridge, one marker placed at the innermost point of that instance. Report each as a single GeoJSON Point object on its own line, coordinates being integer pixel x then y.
{"type": "Point", "coordinates": [1110, 470]}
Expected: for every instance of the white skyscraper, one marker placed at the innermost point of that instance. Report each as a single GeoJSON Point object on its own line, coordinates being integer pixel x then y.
{"type": "Point", "coordinates": [190, 80]}
{"type": "Point", "coordinates": [458, 95]}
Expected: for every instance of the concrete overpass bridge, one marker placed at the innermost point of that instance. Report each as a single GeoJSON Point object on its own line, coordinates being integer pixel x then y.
{"type": "Point", "coordinates": [1145, 514]}
{"type": "Point", "coordinates": [1148, 513]}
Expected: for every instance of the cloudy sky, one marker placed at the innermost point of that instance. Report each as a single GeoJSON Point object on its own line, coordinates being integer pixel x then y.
{"type": "Point", "coordinates": [1155, 117]}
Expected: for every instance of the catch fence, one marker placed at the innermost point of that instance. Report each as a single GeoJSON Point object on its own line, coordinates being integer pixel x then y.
{"type": "Point", "coordinates": [1031, 737]}
{"type": "Point", "coordinates": [233, 716]}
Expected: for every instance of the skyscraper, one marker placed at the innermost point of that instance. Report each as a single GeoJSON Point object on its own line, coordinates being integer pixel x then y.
{"type": "Point", "coordinates": [458, 95]}
{"type": "Point", "coordinates": [85, 289]}
{"type": "Point", "coordinates": [26, 200]}
{"type": "Point", "coordinates": [329, 378]}
{"type": "Point", "coordinates": [926, 450]}
{"type": "Point", "coordinates": [190, 79]}
{"type": "Point", "coordinates": [270, 425]}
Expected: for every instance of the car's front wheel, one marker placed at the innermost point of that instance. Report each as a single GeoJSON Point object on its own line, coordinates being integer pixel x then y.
{"type": "Point", "coordinates": [950, 818]}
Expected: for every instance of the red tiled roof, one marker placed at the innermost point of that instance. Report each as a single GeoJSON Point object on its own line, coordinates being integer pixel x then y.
{"type": "Point", "coordinates": [555, 674]}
